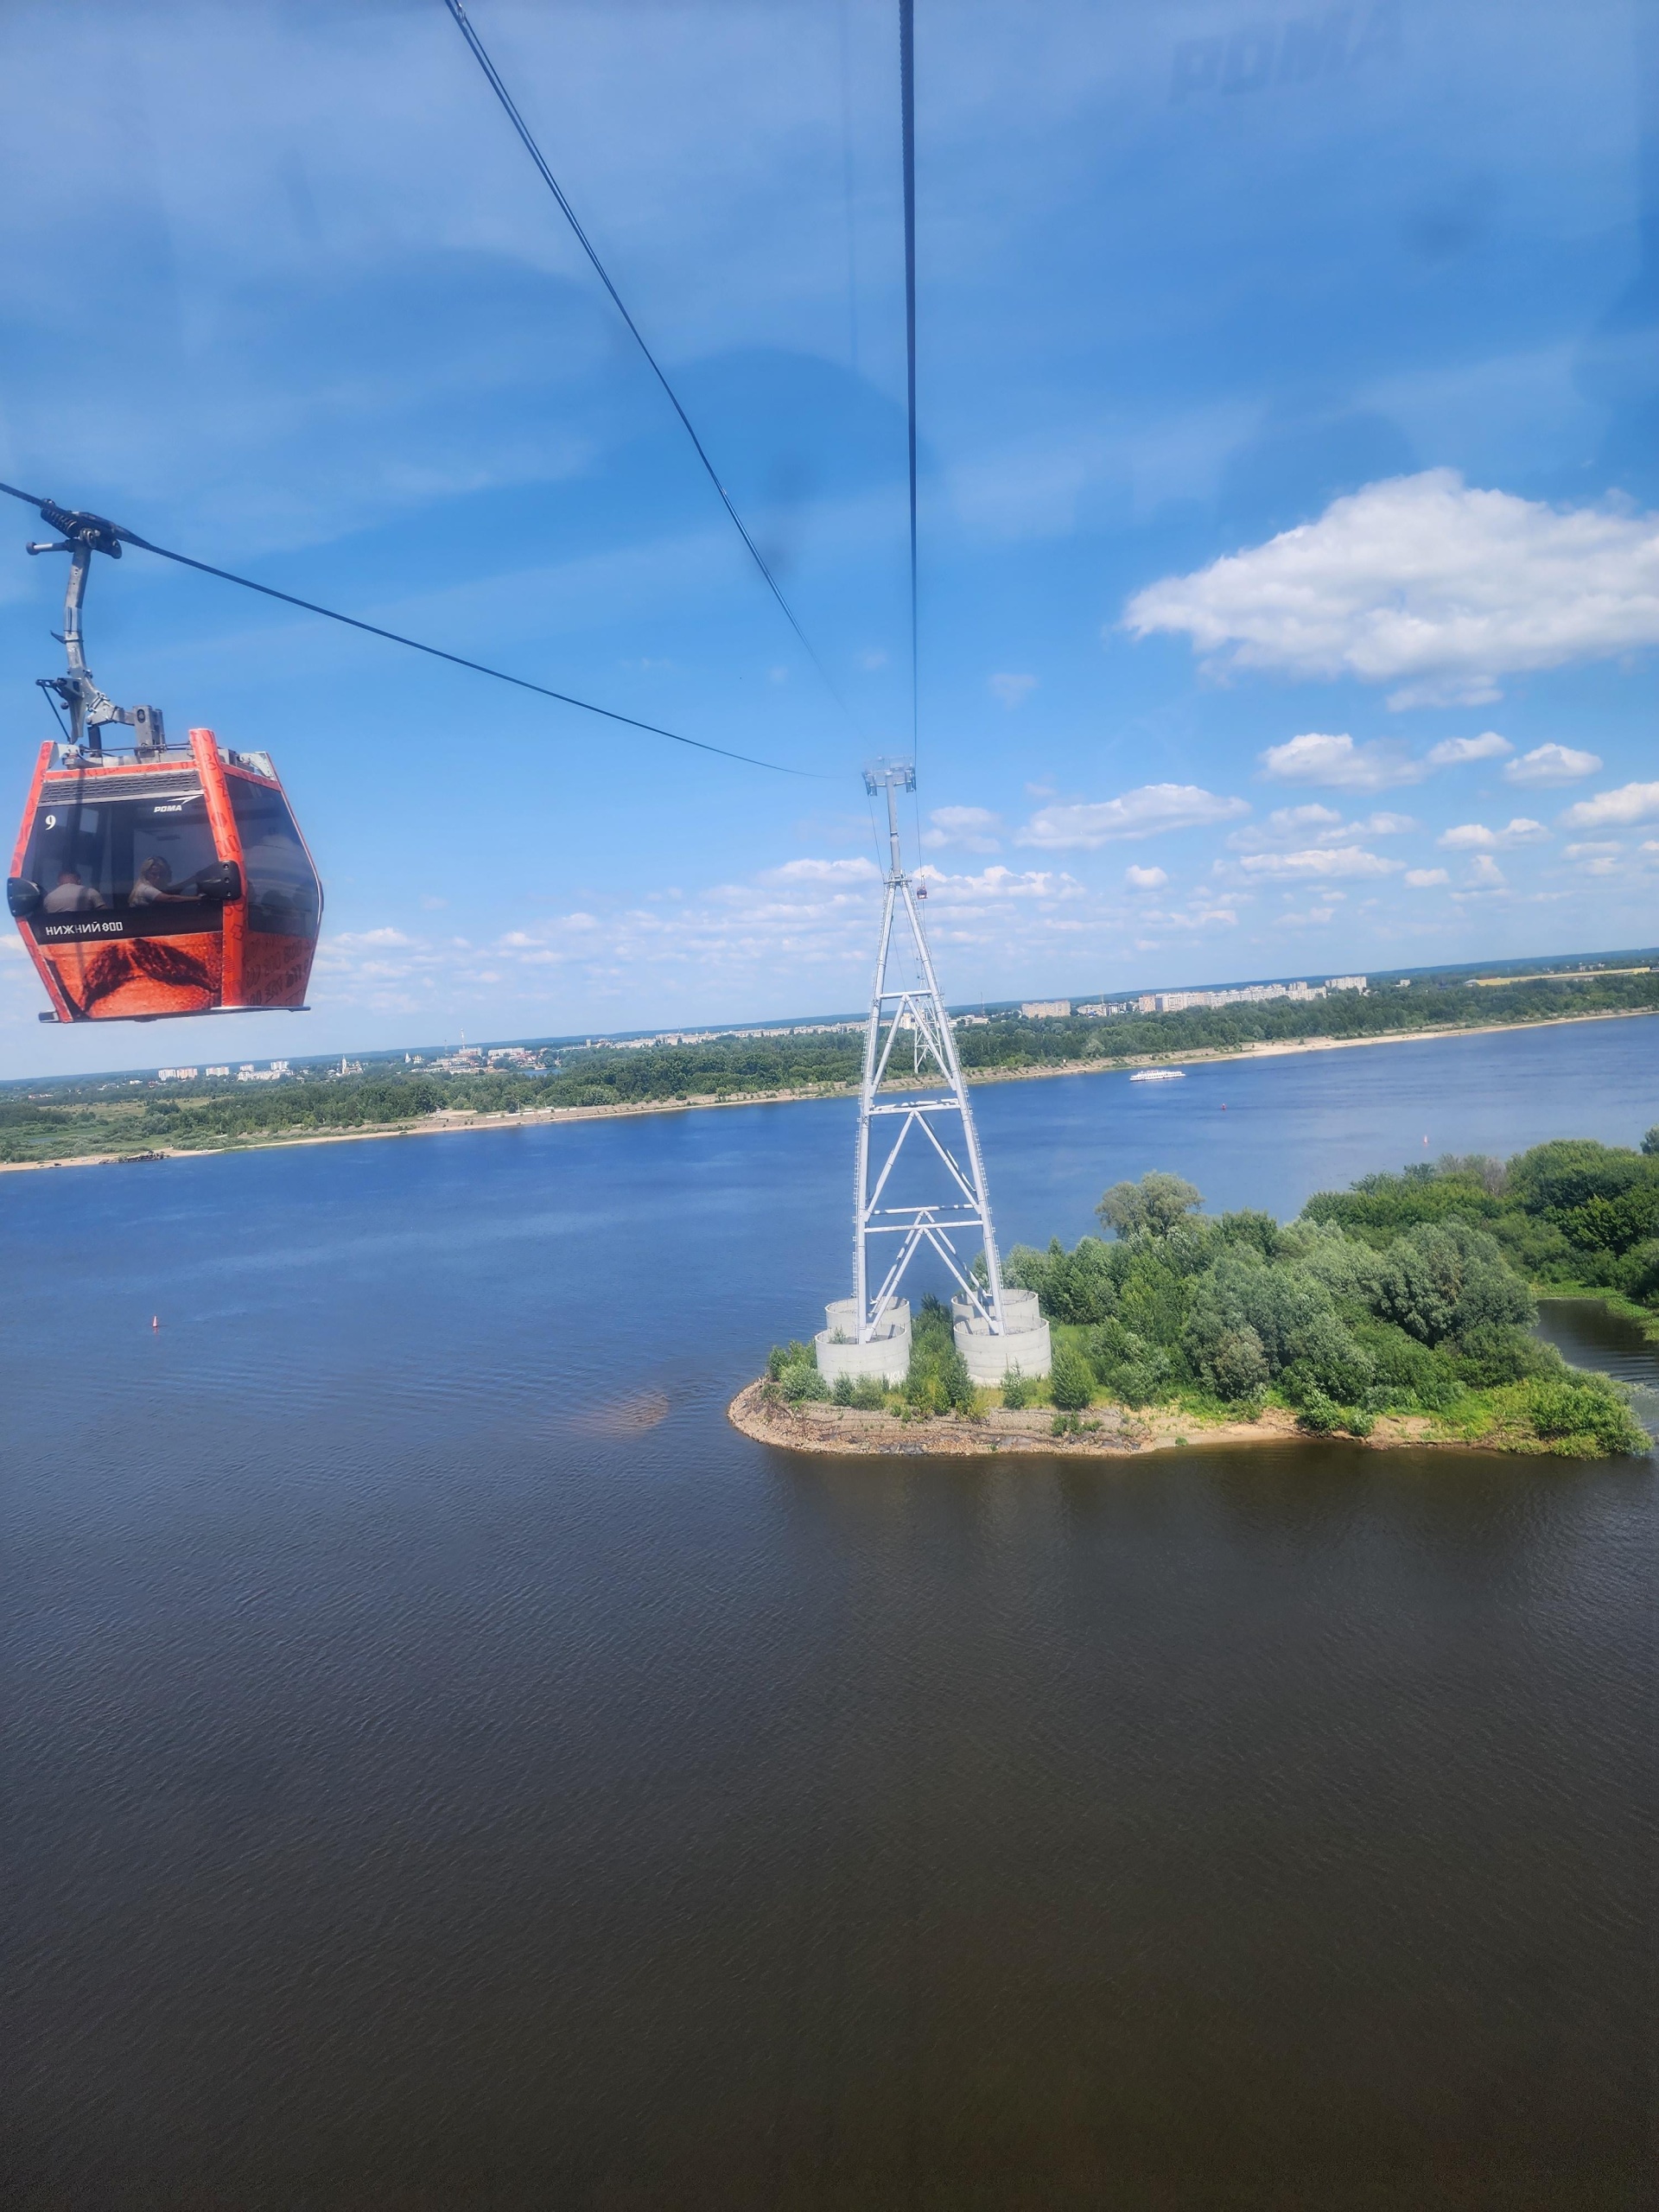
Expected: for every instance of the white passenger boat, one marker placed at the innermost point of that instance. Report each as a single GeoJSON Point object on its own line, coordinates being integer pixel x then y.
{"type": "Point", "coordinates": [1159, 1075]}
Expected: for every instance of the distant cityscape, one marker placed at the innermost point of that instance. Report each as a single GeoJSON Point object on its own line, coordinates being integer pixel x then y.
{"type": "Point", "coordinates": [1178, 1001]}
{"type": "Point", "coordinates": [469, 1059]}
{"type": "Point", "coordinates": [543, 1055]}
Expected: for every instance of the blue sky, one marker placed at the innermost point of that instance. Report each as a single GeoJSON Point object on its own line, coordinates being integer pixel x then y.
{"type": "Point", "coordinates": [1289, 401]}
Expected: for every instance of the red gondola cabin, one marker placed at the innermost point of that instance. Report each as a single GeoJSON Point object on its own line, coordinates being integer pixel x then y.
{"type": "Point", "coordinates": [157, 883]}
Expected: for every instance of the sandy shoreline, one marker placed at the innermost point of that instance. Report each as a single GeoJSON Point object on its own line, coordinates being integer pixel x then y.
{"type": "Point", "coordinates": [439, 1124]}
{"type": "Point", "coordinates": [1115, 1433]}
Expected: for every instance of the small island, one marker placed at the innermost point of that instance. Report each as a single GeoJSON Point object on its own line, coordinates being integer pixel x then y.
{"type": "Point", "coordinates": [1397, 1313]}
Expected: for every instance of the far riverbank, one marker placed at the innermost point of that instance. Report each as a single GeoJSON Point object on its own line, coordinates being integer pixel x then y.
{"type": "Point", "coordinates": [441, 1123]}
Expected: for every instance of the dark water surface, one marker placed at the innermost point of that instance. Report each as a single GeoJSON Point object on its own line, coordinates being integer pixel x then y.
{"type": "Point", "coordinates": [446, 1766]}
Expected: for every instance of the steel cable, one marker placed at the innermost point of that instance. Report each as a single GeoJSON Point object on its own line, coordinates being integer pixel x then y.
{"type": "Point", "coordinates": [49, 509]}
{"type": "Point", "coordinates": [908, 104]}
{"type": "Point", "coordinates": [509, 110]}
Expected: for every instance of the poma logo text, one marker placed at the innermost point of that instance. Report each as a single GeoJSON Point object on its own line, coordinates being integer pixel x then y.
{"type": "Point", "coordinates": [1290, 54]}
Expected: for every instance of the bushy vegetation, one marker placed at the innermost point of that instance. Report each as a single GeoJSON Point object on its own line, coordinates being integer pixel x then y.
{"type": "Point", "coordinates": [935, 1382]}
{"type": "Point", "coordinates": [938, 1381]}
{"type": "Point", "coordinates": [1071, 1380]}
{"type": "Point", "coordinates": [792, 1369]}
{"type": "Point", "coordinates": [867, 1395]}
{"type": "Point", "coordinates": [1343, 1318]}
{"type": "Point", "coordinates": [1570, 1214]}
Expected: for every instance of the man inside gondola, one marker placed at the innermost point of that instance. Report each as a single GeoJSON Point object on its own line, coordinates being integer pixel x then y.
{"type": "Point", "coordinates": [71, 895]}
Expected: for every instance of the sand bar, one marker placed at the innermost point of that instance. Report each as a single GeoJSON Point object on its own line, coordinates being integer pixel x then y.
{"type": "Point", "coordinates": [1110, 1432]}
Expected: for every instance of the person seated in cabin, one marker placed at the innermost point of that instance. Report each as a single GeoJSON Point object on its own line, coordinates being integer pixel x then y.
{"type": "Point", "coordinates": [155, 882]}
{"type": "Point", "coordinates": [71, 895]}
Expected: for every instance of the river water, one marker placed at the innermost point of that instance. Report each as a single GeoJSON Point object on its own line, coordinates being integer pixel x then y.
{"type": "Point", "coordinates": [446, 1766]}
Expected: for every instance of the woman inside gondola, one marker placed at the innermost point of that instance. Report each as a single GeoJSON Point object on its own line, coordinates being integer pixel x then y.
{"type": "Point", "coordinates": [154, 881]}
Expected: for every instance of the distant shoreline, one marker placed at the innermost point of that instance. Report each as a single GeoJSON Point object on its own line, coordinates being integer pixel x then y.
{"type": "Point", "coordinates": [441, 1123]}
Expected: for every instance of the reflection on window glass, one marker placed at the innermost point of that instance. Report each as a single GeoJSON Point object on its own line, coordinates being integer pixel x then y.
{"type": "Point", "coordinates": [282, 894]}
{"type": "Point", "coordinates": [123, 854]}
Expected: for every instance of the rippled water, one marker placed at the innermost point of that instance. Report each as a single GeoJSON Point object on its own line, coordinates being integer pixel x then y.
{"type": "Point", "coordinates": [446, 1766]}
{"type": "Point", "coordinates": [1588, 1334]}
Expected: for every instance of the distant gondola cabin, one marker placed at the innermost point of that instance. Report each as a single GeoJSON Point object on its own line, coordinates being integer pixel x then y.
{"type": "Point", "coordinates": [161, 884]}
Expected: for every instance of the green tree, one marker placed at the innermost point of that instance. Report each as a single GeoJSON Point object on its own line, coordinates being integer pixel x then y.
{"type": "Point", "coordinates": [1154, 1297]}
{"type": "Point", "coordinates": [1442, 1278]}
{"type": "Point", "coordinates": [1238, 1366]}
{"type": "Point", "coordinates": [1569, 1171]}
{"type": "Point", "coordinates": [1151, 1207]}
{"type": "Point", "coordinates": [1131, 1369]}
{"type": "Point", "coordinates": [1071, 1383]}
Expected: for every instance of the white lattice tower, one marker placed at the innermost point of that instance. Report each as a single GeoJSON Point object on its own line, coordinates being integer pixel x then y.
{"type": "Point", "coordinates": [941, 1121]}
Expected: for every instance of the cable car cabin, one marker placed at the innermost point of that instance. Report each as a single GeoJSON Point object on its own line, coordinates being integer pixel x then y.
{"type": "Point", "coordinates": [157, 883]}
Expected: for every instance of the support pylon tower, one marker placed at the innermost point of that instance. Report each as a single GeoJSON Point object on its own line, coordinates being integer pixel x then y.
{"type": "Point", "coordinates": [911, 1008]}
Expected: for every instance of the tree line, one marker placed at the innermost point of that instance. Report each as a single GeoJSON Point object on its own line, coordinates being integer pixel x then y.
{"type": "Point", "coordinates": [87, 1118]}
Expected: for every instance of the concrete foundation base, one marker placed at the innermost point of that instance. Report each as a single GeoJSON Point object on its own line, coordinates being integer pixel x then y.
{"type": "Point", "coordinates": [1024, 1346]}
{"type": "Point", "coordinates": [885, 1358]}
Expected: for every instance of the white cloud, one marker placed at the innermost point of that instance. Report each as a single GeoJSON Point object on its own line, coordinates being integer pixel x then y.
{"type": "Point", "coordinates": [1140, 813]}
{"type": "Point", "coordinates": [1453, 752]}
{"type": "Point", "coordinates": [1320, 860]}
{"type": "Point", "coordinates": [1012, 691]}
{"type": "Point", "coordinates": [1485, 873]}
{"type": "Point", "coordinates": [1597, 858]}
{"type": "Point", "coordinates": [870, 661]}
{"type": "Point", "coordinates": [1552, 764]}
{"type": "Point", "coordinates": [1201, 917]}
{"type": "Point", "coordinates": [1424, 581]}
{"type": "Point", "coordinates": [816, 916]}
{"type": "Point", "coordinates": [1425, 878]}
{"type": "Point", "coordinates": [1145, 879]}
{"type": "Point", "coordinates": [1297, 821]}
{"type": "Point", "coordinates": [974, 828]}
{"type": "Point", "coordinates": [1338, 763]}
{"type": "Point", "coordinates": [1315, 825]}
{"type": "Point", "coordinates": [815, 871]}
{"type": "Point", "coordinates": [1000, 883]}
{"type": "Point", "coordinates": [1475, 836]}
{"type": "Point", "coordinates": [1630, 803]}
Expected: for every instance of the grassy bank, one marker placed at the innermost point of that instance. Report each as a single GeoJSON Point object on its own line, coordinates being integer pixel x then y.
{"type": "Point", "coordinates": [40, 1124]}
{"type": "Point", "coordinates": [1406, 1301]}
